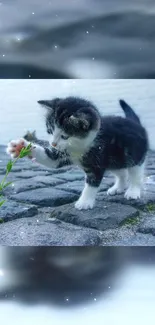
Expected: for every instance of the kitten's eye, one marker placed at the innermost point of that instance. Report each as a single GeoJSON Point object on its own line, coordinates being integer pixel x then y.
{"type": "Point", "coordinates": [64, 137]}
{"type": "Point", "coordinates": [49, 131]}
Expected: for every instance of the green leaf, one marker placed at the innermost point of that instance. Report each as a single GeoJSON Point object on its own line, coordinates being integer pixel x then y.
{"type": "Point", "coordinates": [25, 151]}
{"type": "Point", "coordinates": [9, 166]}
{"type": "Point", "coordinates": [7, 184]}
{"type": "Point", "coordinates": [2, 202]}
{"type": "Point", "coordinates": [29, 146]}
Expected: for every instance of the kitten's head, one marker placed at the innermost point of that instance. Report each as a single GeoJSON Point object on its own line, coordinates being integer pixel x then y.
{"type": "Point", "coordinates": [71, 122]}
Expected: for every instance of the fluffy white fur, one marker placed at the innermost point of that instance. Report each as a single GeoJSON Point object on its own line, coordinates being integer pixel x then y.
{"type": "Point", "coordinates": [136, 177]}
{"type": "Point", "coordinates": [120, 182]}
{"type": "Point", "coordinates": [132, 179]}
{"type": "Point", "coordinates": [73, 144]}
{"type": "Point", "coordinates": [87, 198]}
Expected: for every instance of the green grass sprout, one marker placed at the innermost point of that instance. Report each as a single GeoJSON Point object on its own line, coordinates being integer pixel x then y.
{"type": "Point", "coordinates": [3, 184]}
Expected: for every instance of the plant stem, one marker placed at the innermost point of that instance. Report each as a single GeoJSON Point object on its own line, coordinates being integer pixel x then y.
{"type": "Point", "coordinates": [7, 173]}
{"type": "Point", "coordinates": [24, 152]}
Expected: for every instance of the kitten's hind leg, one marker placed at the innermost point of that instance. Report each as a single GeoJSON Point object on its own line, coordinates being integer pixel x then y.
{"type": "Point", "coordinates": [120, 182]}
{"type": "Point", "coordinates": [136, 177]}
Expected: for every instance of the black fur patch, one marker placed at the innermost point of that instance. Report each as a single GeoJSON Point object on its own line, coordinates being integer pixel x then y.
{"type": "Point", "coordinates": [120, 143]}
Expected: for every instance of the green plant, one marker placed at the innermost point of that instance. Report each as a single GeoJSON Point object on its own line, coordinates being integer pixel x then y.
{"type": "Point", "coordinates": [3, 184]}
{"type": "Point", "coordinates": [150, 207]}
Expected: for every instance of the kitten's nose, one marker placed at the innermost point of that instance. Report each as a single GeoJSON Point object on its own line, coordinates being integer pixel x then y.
{"type": "Point", "coordinates": [54, 144]}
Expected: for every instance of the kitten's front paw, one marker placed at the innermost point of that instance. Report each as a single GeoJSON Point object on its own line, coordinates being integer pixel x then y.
{"type": "Point", "coordinates": [132, 193]}
{"type": "Point", "coordinates": [15, 146]}
{"type": "Point", "coordinates": [82, 204]}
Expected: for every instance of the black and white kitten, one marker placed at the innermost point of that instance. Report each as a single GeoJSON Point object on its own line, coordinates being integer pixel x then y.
{"type": "Point", "coordinates": [80, 135]}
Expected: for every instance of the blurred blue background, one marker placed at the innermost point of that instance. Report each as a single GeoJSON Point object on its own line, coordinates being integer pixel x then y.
{"type": "Point", "coordinates": [77, 39]}
{"type": "Point", "coordinates": [77, 285]}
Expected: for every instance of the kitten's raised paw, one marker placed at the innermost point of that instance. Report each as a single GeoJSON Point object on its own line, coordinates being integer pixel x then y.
{"type": "Point", "coordinates": [132, 193]}
{"type": "Point", "coordinates": [15, 146]}
{"type": "Point", "coordinates": [84, 204]}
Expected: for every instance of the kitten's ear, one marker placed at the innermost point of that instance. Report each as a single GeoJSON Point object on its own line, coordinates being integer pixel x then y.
{"type": "Point", "coordinates": [80, 121]}
{"type": "Point", "coordinates": [46, 103]}
{"type": "Point", "coordinates": [49, 104]}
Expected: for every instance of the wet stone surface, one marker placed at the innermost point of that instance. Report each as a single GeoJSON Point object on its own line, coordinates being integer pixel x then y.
{"type": "Point", "coordinates": [43, 232]}
{"type": "Point", "coordinates": [39, 209]}
{"type": "Point", "coordinates": [148, 225]}
{"type": "Point", "coordinates": [105, 215]}
{"type": "Point", "coordinates": [13, 210]}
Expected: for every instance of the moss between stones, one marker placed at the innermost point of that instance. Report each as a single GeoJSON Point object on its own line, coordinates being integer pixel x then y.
{"type": "Point", "coordinates": [1, 220]}
{"type": "Point", "coordinates": [131, 220]}
{"type": "Point", "coordinates": [150, 207]}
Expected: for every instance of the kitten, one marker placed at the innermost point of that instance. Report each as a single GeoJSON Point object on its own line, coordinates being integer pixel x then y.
{"type": "Point", "coordinates": [78, 134]}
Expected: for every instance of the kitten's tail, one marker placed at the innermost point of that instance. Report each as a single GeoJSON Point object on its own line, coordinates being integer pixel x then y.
{"type": "Point", "coordinates": [129, 112]}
